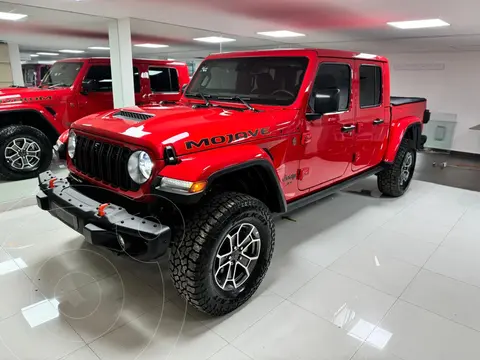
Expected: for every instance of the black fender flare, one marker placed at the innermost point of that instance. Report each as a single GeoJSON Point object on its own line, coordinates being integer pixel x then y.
{"type": "Point", "coordinates": [280, 205]}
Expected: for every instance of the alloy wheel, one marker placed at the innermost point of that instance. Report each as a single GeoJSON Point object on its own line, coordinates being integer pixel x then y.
{"type": "Point", "coordinates": [237, 256]}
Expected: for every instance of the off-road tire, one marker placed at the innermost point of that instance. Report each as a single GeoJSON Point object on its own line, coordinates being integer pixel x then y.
{"type": "Point", "coordinates": [193, 251]}
{"type": "Point", "coordinates": [7, 134]}
{"type": "Point", "coordinates": [388, 180]}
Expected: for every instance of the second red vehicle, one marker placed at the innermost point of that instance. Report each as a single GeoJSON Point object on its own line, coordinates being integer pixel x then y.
{"type": "Point", "coordinates": [31, 119]}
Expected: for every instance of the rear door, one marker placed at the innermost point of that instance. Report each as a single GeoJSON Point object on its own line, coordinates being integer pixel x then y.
{"type": "Point", "coordinates": [372, 124]}
{"type": "Point", "coordinates": [329, 148]}
{"type": "Point", "coordinates": [164, 84]}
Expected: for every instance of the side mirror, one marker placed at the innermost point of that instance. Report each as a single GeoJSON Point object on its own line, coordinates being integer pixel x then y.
{"type": "Point", "coordinates": [88, 86]}
{"type": "Point", "coordinates": [325, 101]}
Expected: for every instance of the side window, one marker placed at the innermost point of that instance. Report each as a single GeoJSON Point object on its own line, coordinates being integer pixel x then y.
{"type": "Point", "coordinates": [163, 79]}
{"type": "Point", "coordinates": [370, 86]}
{"type": "Point", "coordinates": [174, 80]}
{"type": "Point", "coordinates": [136, 79]}
{"type": "Point", "coordinates": [101, 75]}
{"type": "Point", "coordinates": [335, 76]}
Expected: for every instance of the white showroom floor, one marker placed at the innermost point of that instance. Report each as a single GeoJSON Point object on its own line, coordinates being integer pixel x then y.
{"type": "Point", "coordinates": [354, 276]}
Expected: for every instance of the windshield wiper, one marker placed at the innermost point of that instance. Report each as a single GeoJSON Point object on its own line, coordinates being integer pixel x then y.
{"type": "Point", "coordinates": [57, 85]}
{"type": "Point", "coordinates": [204, 98]}
{"type": "Point", "coordinates": [238, 98]}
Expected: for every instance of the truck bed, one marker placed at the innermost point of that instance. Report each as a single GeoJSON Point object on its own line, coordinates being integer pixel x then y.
{"type": "Point", "coordinates": [400, 100]}
{"type": "Point", "coordinates": [407, 106]}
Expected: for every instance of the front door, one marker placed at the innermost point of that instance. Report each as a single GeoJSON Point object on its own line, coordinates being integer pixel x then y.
{"type": "Point", "coordinates": [101, 97]}
{"type": "Point", "coordinates": [372, 125]}
{"type": "Point", "coordinates": [329, 139]}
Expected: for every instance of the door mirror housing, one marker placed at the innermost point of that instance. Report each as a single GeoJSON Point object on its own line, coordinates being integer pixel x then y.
{"type": "Point", "coordinates": [324, 101]}
{"type": "Point", "coordinates": [88, 86]}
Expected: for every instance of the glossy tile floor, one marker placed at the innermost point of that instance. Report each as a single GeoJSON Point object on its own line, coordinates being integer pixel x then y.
{"type": "Point", "coordinates": [354, 276]}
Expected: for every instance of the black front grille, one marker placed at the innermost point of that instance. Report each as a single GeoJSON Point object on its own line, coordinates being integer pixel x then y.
{"type": "Point", "coordinates": [105, 162]}
{"type": "Point", "coordinates": [131, 115]}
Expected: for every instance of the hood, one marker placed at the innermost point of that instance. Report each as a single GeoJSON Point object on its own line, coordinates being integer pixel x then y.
{"type": "Point", "coordinates": [16, 95]}
{"type": "Point", "coordinates": [187, 129]}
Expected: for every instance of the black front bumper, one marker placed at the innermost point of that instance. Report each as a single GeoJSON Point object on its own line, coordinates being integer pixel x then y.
{"type": "Point", "coordinates": [116, 229]}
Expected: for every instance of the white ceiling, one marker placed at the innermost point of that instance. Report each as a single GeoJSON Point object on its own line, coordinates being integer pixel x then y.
{"type": "Point", "coordinates": [344, 24]}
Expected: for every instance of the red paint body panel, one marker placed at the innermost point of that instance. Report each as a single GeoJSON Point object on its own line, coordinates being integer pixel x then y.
{"type": "Point", "coordinates": [402, 117]}
{"type": "Point", "coordinates": [306, 155]}
{"type": "Point", "coordinates": [69, 104]}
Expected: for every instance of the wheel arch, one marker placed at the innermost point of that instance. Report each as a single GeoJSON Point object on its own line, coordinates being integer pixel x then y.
{"type": "Point", "coordinates": [406, 128]}
{"type": "Point", "coordinates": [29, 117]}
{"type": "Point", "coordinates": [254, 177]}
{"type": "Point", "coordinates": [246, 169]}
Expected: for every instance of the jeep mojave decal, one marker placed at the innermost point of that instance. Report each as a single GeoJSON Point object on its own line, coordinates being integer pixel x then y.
{"type": "Point", "coordinates": [225, 139]}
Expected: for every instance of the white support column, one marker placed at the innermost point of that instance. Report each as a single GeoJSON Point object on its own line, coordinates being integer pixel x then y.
{"type": "Point", "coordinates": [15, 64]}
{"type": "Point", "coordinates": [120, 39]}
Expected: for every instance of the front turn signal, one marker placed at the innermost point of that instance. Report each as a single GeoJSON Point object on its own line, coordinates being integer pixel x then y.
{"type": "Point", "coordinates": [198, 187]}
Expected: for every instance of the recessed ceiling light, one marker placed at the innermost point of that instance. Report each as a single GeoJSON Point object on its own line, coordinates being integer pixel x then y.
{"type": "Point", "coordinates": [418, 24]}
{"type": "Point", "coordinates": [34, 55]}
{"type": "Point", "coordinates": [152, 46]}
{"type": "Point", "coordinates": [99, 48]}
{"type": "Point", "coordinates": [67, 51]}
{"type": "Point", "coordinates": [46, 62]}
{"type": "Point", "coordinates": [11, 16]}
{"type": "Point", "coordinates": [47, 53]}
{"type": "Point", "coordinates": [214, 39]}
{"type": "Point", "coordinates": [281, 34]}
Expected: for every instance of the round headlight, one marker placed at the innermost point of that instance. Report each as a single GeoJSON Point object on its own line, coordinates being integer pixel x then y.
{"type": "Point", "coordinates": [72, 143]}
{"type": "Point", "coordinates": [140, 166]}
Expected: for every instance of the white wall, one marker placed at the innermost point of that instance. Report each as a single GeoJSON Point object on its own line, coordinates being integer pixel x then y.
{"type": "Point", "coordinates": [454, 89]}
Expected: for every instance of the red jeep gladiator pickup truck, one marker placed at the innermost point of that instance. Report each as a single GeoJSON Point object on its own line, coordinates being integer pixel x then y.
{"type": "Point", "coordinates": [256, 134]}
{"type": "Point", "coordinates": [31, 119]}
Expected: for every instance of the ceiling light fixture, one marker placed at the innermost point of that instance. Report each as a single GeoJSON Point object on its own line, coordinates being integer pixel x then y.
{"type": "Point", "coordinates": [11, 16]}
{"type": "Point", "coordinates": [47, 53]}
{"type": "Point", "coordinates": [99, 48]}
{"type": "Point", "coordinates": [214, 39]}
{"type": "Point", "coordinates": [46, 62]}
{"type": "Point", "coordinates": [418, 24]}
{"type": "Point", "coordinates": [281, 34]}
{"type": "Point", "coordinates": [67, 51]}
{"type": "Point", "coordinates": [152, 46]}
{"type": "Point", "coordinates": [34, 55]}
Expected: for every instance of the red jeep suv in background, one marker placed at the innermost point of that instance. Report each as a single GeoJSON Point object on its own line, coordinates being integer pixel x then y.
{"type": "Point", "coordinates": [31, 119]}
{"type": "Point", "coordinates": [256, 134]}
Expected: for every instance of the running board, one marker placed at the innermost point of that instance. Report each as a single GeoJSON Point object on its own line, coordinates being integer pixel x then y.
{"type": "Point", "coordinates": [320, 194]}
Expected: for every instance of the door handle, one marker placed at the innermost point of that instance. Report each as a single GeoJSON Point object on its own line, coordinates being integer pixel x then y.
{"type": "Point", "coordinates": [378, 121]}
{"type": "Point", "coordinates": [348, 128]}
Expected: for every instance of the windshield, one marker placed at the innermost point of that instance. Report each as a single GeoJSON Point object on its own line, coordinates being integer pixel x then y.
{"type": "Point", "coordinates": [62, 74]}
{"type": "Point", "coordinates": [260, 80]}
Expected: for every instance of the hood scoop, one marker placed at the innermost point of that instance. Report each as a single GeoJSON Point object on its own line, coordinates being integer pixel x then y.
{"type": "Point", "coordinates": [132, 115]}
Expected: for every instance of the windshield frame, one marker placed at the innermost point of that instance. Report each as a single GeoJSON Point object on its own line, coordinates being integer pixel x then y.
{"type": "Point", "coordinates": [62, 63]}
{"type": "Point", "coordinates": [257, 99]}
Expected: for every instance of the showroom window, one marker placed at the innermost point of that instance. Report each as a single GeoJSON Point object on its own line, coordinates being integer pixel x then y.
{"type": "Point", "coordinates": [102, 76]}
{"type": "Point", "coordinates": [370, 86]}
{"type": "Point", "coordinates": [163, 79]}
{"type": "Point", "coordinates": [335, 76]}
